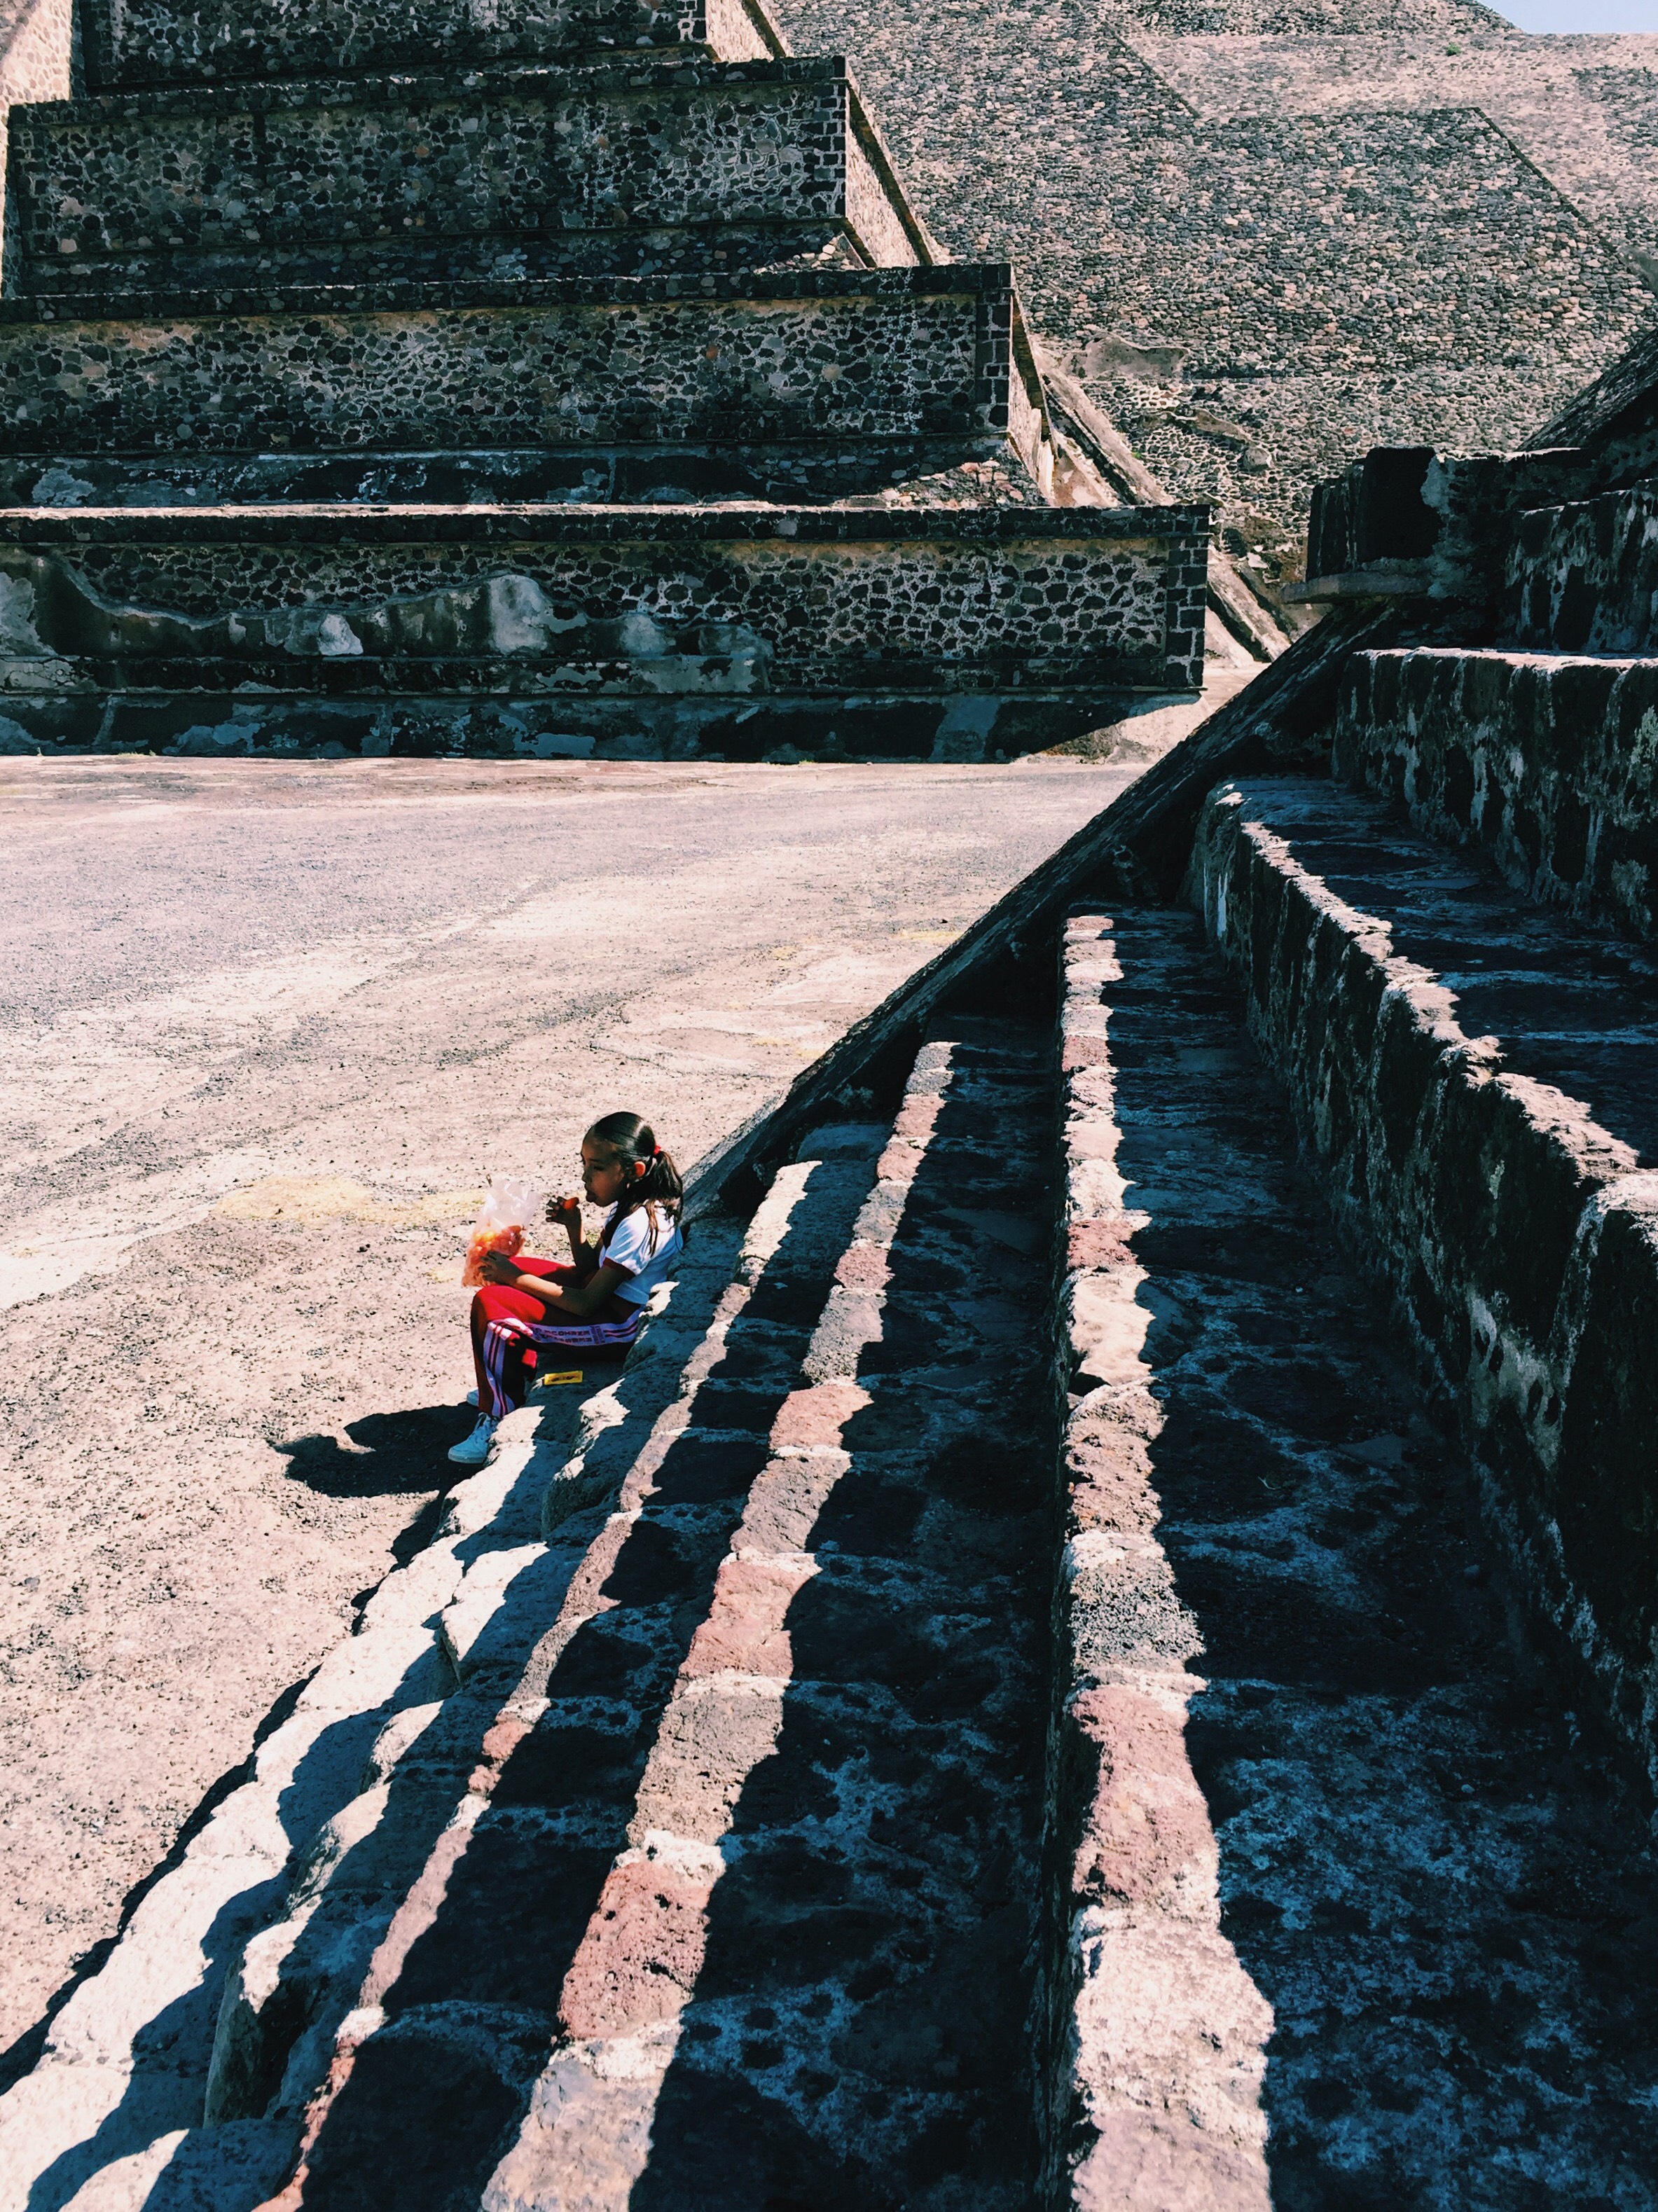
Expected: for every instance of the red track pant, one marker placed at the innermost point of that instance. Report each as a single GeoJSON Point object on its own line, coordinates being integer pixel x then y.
{"type": "Point", "coordinates": [508, 1324]}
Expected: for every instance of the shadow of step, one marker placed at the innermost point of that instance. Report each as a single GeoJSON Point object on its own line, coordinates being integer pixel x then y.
{"type": "Point", "coordinates": [439, 1910]}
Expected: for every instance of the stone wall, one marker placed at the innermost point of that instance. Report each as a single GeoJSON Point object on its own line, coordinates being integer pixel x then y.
{"type": "Point", "coordinates": [1548, 764]}
{"type": "Point", "coordinates": [37, 39]}
{"type": "Point", "coordinates": [845, 356]}
{"type": "Point", "coordinates": [525, 170]}
{"type": "Point", "coordinates": [1584, 578]}
{"type": "Point", "coordinates": [629, 632]}
{"type": "Point", "coordinates": [162, 42]}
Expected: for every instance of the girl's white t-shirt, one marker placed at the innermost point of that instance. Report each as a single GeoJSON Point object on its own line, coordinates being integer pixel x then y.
{"type": "Point", "coordinates": [630, 1248]}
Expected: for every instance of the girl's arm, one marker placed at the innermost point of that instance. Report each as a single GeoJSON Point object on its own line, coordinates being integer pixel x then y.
{"type": "Point", "coordinates": [578, 1300]}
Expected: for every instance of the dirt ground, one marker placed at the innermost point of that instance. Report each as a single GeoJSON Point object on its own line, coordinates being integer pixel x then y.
{"type": "Point", "coordinates": [264, 1031]}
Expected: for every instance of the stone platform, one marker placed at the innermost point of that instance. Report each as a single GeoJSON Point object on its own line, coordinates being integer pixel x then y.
{"type": "Point", "coordinates": [528, 171]}
{"type": "Point", "coordinates": [159, 42]}
{"type": "Point", "coordinates": [816, 362]}
{"type": "Point", "coordinates": [549, 630]}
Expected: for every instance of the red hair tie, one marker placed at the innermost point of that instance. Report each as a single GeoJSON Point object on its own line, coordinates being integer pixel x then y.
{"type": "Point", "coordinates": [656, 1152]}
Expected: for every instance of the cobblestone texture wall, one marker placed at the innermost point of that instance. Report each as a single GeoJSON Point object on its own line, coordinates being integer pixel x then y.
{"type": "Point", "coordinates": [167, 190]}
{"type": "Point", "coordinates": [162, 42]}
{"type": "Point", "coordinates": [1583, 109]}
{"type": "Point", "coordinates": [241, 282]}
{"type": "Point", "coordinates": [864, 355]}
{"type": "Point", "coordinates": [631, 634]}
{"type": "Point", "coordinates": [1547, 764]}
{"type": "Point", "coordinates": [1257, 295]}
{"type": "Point", "coordinates": [876, 605]}
{"type": "Point", "coordinates": [1584, 578]}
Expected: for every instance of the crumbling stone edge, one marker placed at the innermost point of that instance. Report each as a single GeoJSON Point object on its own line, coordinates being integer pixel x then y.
{"type": "Point", "coordinates": [1547, 762]}
{"type": "Point", "coordinates": [1517, 1236]}
{"type": "Point", "coordinates": [1152, 2035]}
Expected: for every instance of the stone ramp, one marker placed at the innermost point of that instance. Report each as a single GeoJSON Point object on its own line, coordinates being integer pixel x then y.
{"type": "Point", "coordinates": [1428, 1986]}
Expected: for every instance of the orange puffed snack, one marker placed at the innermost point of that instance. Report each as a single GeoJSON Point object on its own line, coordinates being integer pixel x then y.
{"type": "Point", "coordinates": [508, 1205]}
{"type": "Point", "coordinates": [508, 1241]}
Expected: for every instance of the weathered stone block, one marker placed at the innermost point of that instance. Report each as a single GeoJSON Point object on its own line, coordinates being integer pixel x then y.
{"type": "Point", "coordinates": [514, 172]}
{"type": "Point", "coordinates": [1548, 762]}
{"type": "Point", "coordinates": [633, 632]}
{"type": "Point", "coordinates": [1156, 2060]}
{"type": "Point", "coordinates": [1584, 578]}
{"type": "Point", "coordinates": [841, 354]}
{"type": "Point", "coordinates": [159, 42]}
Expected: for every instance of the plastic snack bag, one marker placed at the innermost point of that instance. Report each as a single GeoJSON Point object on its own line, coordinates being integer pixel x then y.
{"type": "Point", "coordinates": [509, 1207]}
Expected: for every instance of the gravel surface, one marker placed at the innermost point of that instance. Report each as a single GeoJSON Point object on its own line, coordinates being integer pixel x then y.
{"type": "Point", "coordinates": [266, 1029]}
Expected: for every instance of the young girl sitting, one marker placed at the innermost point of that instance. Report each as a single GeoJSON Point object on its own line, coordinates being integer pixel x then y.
{"type": "Point", "coordinates": [597, 1303]}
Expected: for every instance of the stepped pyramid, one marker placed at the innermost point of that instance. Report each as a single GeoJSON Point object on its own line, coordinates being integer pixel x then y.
{"type": "Point", "coordinates": [570, 377]}
{"type": "Point", "coordinates": [1267, 234]}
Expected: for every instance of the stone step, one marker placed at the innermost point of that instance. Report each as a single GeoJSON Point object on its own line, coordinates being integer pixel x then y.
{"type": "Point", "coordinates": [749, 1915]}
{"type": "Point", "coordinates": [1321, 1842]}
{"type": "Point", "coordinates": [883, 472]}
{"type": "Point", "coordinates": [1584, 578]}
{"type": "Point", "coordinates": [822, 359]}
{"type": "Point", "coordinates": [633, 166]}
{"type": "Point", "coordinates": [566, 1667]}
{"type": "Point", "coordinates": [567, 630]}
{"type": "Point", "coordinates": [1548, 762]}
{"type": "Point", "coordinates": [1473, 1078]}
{"type": "Point", "coordinates": [145, 42]}
{"type": "Point", "coordinates": [415, 1716]}
{"type": "Point", "coordinates": [732, 1805]}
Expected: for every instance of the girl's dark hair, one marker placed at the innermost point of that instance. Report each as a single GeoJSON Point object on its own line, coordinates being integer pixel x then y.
{"type": "Point", "coordinates": [631, 1136]}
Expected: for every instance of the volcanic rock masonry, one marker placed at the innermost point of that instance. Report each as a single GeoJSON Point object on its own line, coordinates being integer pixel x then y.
{"type": "Point", "coordinates": [582, 383]}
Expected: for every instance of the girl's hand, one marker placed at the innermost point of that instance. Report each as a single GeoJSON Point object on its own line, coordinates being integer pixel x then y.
{"type": "Point", "coordinates": [567, 1210]}
{"type": "Point", "coordinates": [496, 1268]}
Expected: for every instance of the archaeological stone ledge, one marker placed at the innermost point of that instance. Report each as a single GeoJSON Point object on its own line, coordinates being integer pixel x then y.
{"type": "Point", "coordinates": [1547, 764]}
{"type": "Point", "coordinates": [1517, 1231]}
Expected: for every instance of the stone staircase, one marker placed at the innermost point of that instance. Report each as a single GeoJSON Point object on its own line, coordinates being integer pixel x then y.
{"type": "Point", "coordinates": [579, 382]}
{"type": "Point", "coordinates": [1100, 1651]}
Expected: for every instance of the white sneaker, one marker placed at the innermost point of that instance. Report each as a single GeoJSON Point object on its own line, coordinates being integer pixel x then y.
{"type": "Point", "coordinates": [473, 1450]}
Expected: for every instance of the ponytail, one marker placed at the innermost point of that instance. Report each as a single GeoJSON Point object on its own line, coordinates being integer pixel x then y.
{"type": "Point", "coordinates": [630, 1136]}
